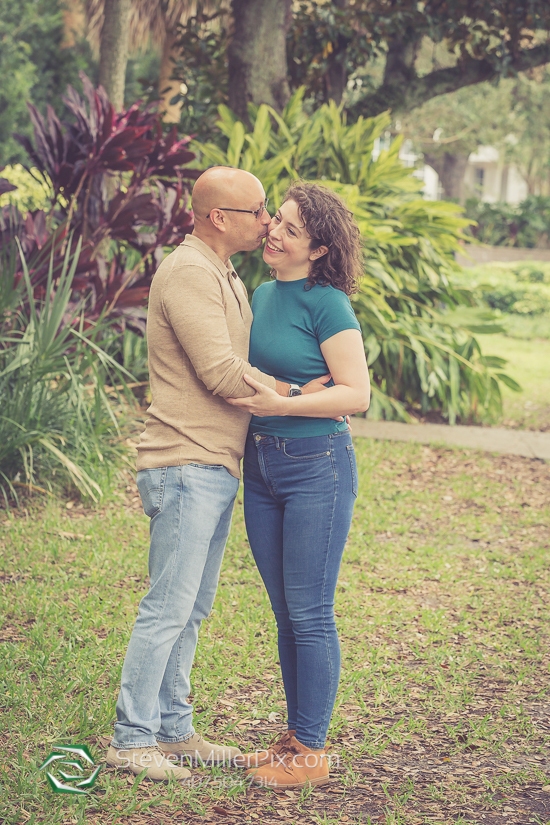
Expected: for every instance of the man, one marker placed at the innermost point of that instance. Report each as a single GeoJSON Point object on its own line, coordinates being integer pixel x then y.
{"type": "Point", "coordinates": [188, 468]}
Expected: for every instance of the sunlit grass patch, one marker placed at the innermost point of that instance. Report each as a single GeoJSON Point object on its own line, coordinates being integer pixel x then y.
{"type": "Point", "coordinates": [528, 363]}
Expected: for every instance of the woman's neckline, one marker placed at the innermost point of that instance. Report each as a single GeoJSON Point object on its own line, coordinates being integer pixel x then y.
{"type": "Point", "coordinates": [284, 284]}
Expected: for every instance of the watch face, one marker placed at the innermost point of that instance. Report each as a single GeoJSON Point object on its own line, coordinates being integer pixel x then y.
{"type": "Point", "coordinates": [294, 392]}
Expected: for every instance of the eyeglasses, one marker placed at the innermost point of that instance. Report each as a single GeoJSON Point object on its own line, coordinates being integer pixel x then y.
{"type": "Point", "coordinates": [255, 212]}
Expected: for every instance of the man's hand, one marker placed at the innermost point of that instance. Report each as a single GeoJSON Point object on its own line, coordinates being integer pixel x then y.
{"type": "Point", "coordinates": [268, 402]}
{"type": "Point", "coordinates": [264, 402]}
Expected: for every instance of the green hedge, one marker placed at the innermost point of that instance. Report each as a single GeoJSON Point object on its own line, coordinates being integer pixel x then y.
{"type": "Point", "coordinates": [526, 225]}
{"type": "Point", "coordinates": [517, 288]}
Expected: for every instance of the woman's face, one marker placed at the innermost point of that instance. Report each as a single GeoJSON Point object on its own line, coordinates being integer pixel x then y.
{"type": "Point", "coordinates": [287, 248]}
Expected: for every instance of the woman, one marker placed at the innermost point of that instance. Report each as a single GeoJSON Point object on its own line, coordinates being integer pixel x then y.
{"type": "Point", "coordinates": [300, 475]}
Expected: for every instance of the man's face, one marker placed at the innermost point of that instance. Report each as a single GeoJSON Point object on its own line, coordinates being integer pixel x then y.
{"type": "Point", "coordinates": [246, 231]}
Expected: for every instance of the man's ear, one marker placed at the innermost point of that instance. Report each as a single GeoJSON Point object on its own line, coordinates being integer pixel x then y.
{"type": "Point", "coordinates": [217, 219]}
{"type": "Point", "coordinates": [318, 253]}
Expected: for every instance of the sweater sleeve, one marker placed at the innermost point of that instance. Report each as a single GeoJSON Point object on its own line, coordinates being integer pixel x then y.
{"type": "Point", "coordinates": [193, 304]}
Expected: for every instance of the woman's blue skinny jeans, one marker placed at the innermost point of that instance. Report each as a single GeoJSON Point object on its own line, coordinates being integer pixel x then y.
{"type": "Point", "coordinates": [299, 495]}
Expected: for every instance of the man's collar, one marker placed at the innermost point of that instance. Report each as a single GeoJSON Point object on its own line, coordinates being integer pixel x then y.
{"type": "Point", "coordinates": [201, 246]}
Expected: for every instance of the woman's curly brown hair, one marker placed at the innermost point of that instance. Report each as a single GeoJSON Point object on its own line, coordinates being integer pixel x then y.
{"type": "Point", "coordinates": [329, 223]}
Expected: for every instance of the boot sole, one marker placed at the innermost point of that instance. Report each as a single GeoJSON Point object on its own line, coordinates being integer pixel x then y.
{"type": "Point", "coordinates": [184, 779]}
{"type": "Point", "coordinates": [196, 762]}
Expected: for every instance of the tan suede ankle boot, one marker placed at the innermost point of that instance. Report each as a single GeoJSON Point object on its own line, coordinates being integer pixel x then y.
{"type": "Point", "coordinates": [294, 767]}
{"type": "Point", "coordinates": [266, 756]}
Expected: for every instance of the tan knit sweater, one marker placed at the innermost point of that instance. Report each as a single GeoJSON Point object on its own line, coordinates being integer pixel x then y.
{"type": "Point", "coordinates": [198, 327]}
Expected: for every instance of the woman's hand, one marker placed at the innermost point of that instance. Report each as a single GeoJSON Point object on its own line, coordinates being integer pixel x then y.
{"type": "Point", "coordinates": [316, 385]}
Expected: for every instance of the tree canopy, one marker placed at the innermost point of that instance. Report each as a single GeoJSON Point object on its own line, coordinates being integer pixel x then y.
{"type": "Point", "coordinates": [371, 55]}
{"type": "Point", "coordinates": [480, 41]}
{"type": "Point", "coordinates": [514, 117]}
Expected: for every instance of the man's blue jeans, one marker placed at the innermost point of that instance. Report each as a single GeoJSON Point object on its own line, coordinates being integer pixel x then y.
{"type": "Point", "coordinates": [190, 508]}
{"type": "Point", "coordinates": [299, 495]}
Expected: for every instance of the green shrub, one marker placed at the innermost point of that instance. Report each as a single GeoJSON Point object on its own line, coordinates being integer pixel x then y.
{"type": "Point", "coordinates": [526, 225]}
{"type": "Point", "coordinates": [57, 423]}
{"type": "Point", "coordinates": [417, 326]}
{"type": "Point", "coordinates": [536, 272]}
{"type": "Point", "coordinates": [527, 327]}
{"type": "Point", "coordinates": [35, 64]}
{"type": "Point", "coordinates": [517, 288]}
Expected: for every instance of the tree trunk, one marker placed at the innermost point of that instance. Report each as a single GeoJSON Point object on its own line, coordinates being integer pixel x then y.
{"type": "Point", "coordinates": [169, 88]}
{"type": "Point", "coordinates": [401, 58]}
{"type": "Point", "coordinates": [336, 77]}
{"type": "Point", "coordinates": [113, 50]}
{"type": "Point", "coordinates": [257, 54]}
{"type": "Point", "coordinates": [451, 170]}
{"type": "Point", "coordinates": [336, 81]}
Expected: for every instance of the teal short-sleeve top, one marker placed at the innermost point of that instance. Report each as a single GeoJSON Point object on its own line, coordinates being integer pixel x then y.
{"type": "Point", "coordinates": [290, 324]}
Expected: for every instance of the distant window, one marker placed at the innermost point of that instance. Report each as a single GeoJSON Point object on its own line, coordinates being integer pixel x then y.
{"type": "Point", "coordinates": [479, 180]}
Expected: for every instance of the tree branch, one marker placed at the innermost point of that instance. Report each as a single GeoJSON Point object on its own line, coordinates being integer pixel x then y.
{"type": "Point", "coordinates": [402, 97]}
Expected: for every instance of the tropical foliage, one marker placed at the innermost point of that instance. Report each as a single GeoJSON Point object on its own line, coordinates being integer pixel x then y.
{"type": "Point", "coordinates": [418, 328]}
{"type": "Point", "coordinates": [75, 278]}
{"type": "Point", "coordinates": [115, 182]}
{"type": "Point", "coordinates": [57, 422]}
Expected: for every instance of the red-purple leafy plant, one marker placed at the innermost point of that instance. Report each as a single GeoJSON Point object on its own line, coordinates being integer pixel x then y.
{"type": "Point", "coordinates": [119, 184]}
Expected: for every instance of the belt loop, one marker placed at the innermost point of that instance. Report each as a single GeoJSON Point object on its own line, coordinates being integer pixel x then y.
{"type": "Point", "coordinates": [277, 442]}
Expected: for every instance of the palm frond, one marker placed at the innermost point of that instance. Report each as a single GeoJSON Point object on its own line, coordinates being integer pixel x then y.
{"type": "Point", "coordinates": [149, 19]}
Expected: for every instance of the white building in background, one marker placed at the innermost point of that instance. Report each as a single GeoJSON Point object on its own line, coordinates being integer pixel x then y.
{"type": "Point", "coordinates": [431, 189]}
{"type": "Point", "coordinates": [490, 179]}
{"type": "Point", "coordinates": [487, 177]}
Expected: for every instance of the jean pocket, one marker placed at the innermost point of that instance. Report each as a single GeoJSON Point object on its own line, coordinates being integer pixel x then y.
{"type": "Point", "coordinates": [151, 484]}
{"type": "Point", "coordinates": [353, 467]}
{"type": "Point", "coordinates": [306, 449]}
{"type": "Point", "coordinates": [206, 466]}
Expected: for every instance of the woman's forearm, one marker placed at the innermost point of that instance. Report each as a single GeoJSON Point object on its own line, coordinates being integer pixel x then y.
{"type": "Point", "coordinates": [337, 400]}
{"type": "Point", "coordinates": [341, 399]}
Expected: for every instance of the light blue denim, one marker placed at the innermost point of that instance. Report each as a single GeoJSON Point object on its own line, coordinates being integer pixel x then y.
{"type": "Point", "coordinates": [190, 508]}
{"type": "Point", "coordinates": [299, 495]}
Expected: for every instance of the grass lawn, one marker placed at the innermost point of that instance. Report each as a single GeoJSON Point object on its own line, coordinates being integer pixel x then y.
{"type": "Point", "coordinates": [443, 710]}
{"type": "Point", "coordinates": [529, 364]}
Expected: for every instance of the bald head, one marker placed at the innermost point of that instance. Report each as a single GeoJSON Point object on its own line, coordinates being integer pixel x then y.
{"type": "Point", "coordinates": [222, 187]}
{"type": "Point", "coordinates": [227, 207]}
